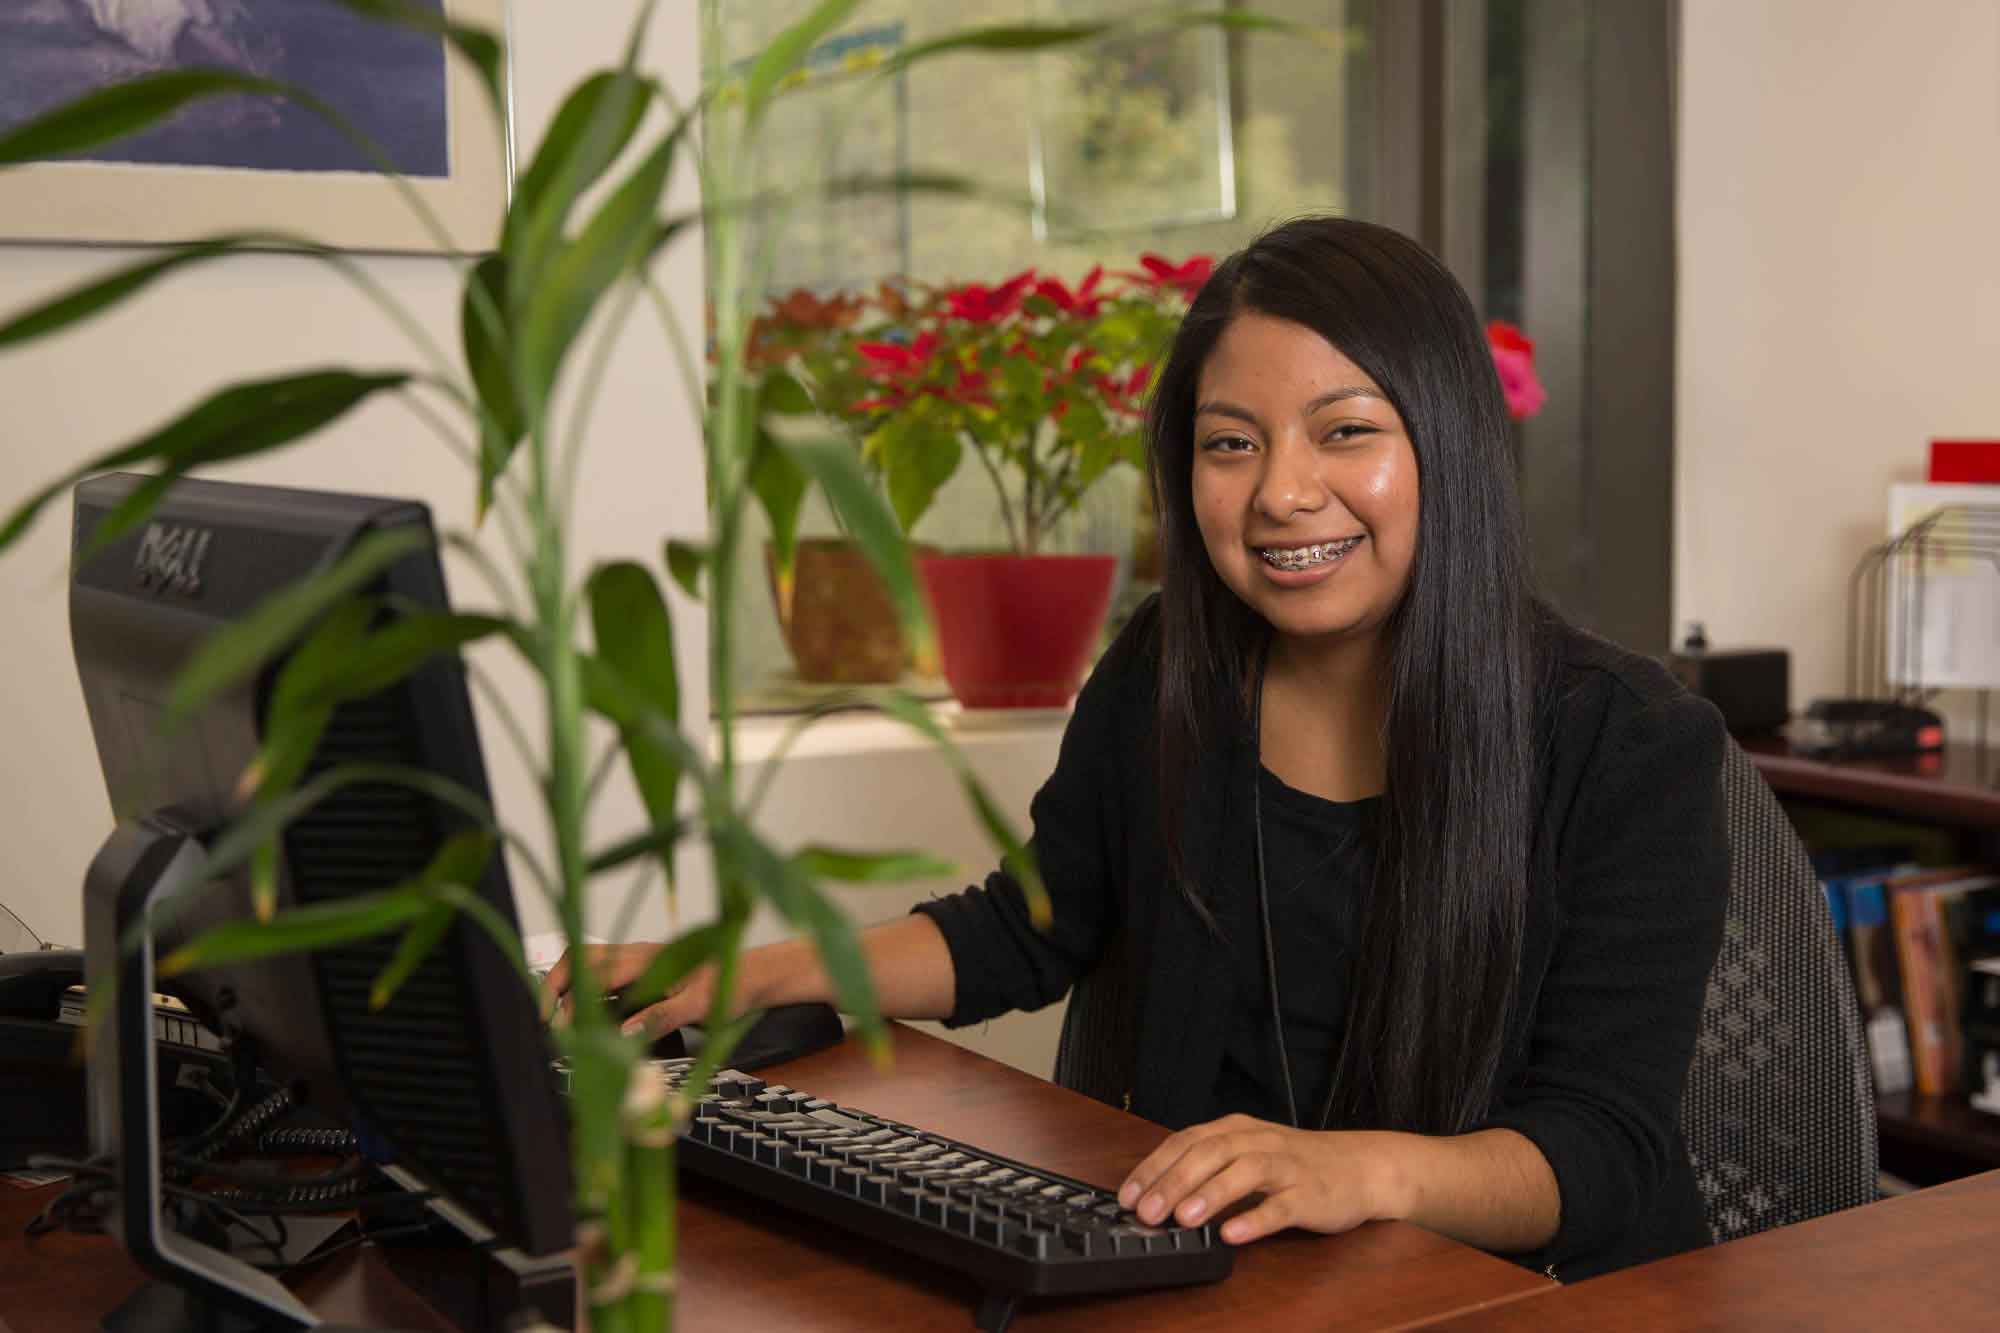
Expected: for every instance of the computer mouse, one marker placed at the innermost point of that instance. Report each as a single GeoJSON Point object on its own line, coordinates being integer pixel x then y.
{"type": "Point", "coordinates": [784, 1032]}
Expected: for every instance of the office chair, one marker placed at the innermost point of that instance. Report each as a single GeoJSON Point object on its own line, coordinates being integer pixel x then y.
{"type": "Point", "coordinates": [1779, 1111]}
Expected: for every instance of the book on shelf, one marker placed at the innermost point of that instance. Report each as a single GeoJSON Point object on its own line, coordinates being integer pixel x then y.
{"type": "Point", "coordinates": [1927, 909]}
{"type": "Point", "coordinates": [1854, 881]}
{"type": "Point", "coordinates": [1982, 1034]}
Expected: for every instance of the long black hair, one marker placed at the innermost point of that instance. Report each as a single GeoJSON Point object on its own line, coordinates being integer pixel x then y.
{"type": "Point", "coordinates": [1440, 939]}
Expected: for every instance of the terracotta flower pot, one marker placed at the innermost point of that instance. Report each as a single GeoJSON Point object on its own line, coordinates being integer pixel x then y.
{"type": "Point", "coordinates": [1017, 631]}
{"type": "Point", "coordinates": [837, 617]}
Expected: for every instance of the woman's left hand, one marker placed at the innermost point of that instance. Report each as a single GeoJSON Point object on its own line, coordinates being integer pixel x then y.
{"type": "Point", "coordinates": [1326, 1181]}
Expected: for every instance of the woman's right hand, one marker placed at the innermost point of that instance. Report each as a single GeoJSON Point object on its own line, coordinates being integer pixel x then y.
{"type": "Point", "coordinates": [618, 965]}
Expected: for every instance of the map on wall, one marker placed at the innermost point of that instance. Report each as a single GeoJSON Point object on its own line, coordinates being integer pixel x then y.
{"type": "Point", "coordinates": [1133, 132]}
{"type": "Point", "coordinates": [847, 136]}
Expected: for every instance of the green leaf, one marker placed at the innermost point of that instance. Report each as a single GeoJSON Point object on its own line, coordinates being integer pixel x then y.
{"type": "Point", "coordinates": [262, 822]}
{"type": "Point", "coordinates": [781, 394]}
{"type": "Point", "coordinates": [618, 96]}
{"type": "Point", "coordinates": [686, 561]}
{"type": "Point", "coordinates": [608, 693]}
{"type": "Point", "coordinates": [600, 1070]}
{"type": "Point", "coordinates": [753, 864]}
{"type": "Point", "coordinates": [999, 38]}
{"type": "Point", "coordinates": [238, 650]}
{"type": "Point", "coordinates": [477, 45]}
{"type": "Point", "coordinates": [460, 860]}
{"type": "Point", "coordinates": [660, 840]}
{"type": "Point", "coordinates": [339, 661]}
{"type": "Point", "coordinates": [589, 133]}
{"type": "Point", "coordinates": [236, 422]}
{"type": "Point", "coordinates": [252, 834]}
{"type": "Point", "coordinates": [833, 465]}
{"type": "Point", "coordinates": [80, 303]}
{"type": "Point", "coordinates": [721, 1043]}
{"type": "Point", "coordinates": [870, 867]}
{"type": "Point", "coordinates": [916, 462]}
{"type": "Point", "coordinates": [124, 108]}
{"type": "Point", "coordinates": [780, 487]}
{"type": "Point", "coordinates": [415, 946]}
{"type": "Point", "coordinates": [557, 306]}
{"type": "Point", "coordinates": [786, 52]}
{"type": "Point", "coordinates": [298, 714]}
{"type": "Point", "coordinates": [840, 952]}
{"type": "Point", "coordinates": [635, 638]}
{"type": "Point", "coordinates": [672, 964]}
{"type": "Point", "coordinates": [663, 235]}
{"type": "Point", "coordinates": [1015, 855]}
{"type": "Point", "coordinates": [409, 641]}
{"type": "Point", "coordinates": [785, 883]}
{"type": "Point", "coordinates": [482, 322]}
{"type": "Point", "coordinates": [300, 930]}
{"type": "Point", "coordinates": [500, 930]}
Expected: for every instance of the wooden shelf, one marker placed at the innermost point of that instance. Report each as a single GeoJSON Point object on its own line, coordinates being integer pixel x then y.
{"type": "Point", "coordinates": [1960, 786]}
{"type": "Point", "coordinates": [1925, 1139]}
{"type": "Point", "coordinates": [1947, 1124]}
{"type": "Point", "coordinates": [1929, 1140]}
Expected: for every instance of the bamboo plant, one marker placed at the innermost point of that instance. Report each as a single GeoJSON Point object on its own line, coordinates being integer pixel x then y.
{"type": "Point", "coordinates": [600, 642]}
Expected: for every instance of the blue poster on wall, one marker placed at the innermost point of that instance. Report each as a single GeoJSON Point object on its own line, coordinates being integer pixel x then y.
{"type": "Point", "coordinates": [388, 81]}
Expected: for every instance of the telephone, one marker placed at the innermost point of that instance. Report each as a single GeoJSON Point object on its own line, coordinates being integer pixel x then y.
{"type": "Point", "coordinates": [43, 1106]}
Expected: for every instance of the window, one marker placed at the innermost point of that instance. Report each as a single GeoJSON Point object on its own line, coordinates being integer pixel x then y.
{"type": "Point", "coordinates": [1183, 149]}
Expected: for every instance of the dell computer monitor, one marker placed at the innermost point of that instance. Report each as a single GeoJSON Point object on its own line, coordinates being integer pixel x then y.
{"type": "Point", "coordinates": [451, 1082]}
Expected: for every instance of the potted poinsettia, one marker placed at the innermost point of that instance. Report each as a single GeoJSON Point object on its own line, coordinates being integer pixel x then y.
{"type": "Point", "coordinates": [837, 617]}
{"type": "Point", "coordinates": [1042, 383]}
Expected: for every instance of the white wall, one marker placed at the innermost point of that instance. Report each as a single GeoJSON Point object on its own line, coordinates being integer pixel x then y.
{"type": "Point", "coordinates": [1839, 295]}
{"type": "Point", "coordinates": [66, 400]}
{"type": "Point", "coordinates": [863, 782]}
{"type": "Point", "coordinates": [84, 392]}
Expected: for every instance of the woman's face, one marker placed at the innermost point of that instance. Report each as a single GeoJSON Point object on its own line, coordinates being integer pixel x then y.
{"type": "Point", "coordinates": [1305, 484]}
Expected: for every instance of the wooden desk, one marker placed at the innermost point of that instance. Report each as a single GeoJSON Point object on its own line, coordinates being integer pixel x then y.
{"type": "Point", "coordinates": [1925, 1260]}
{"type": "Point", "coordinates": [762, 1270]}
{"type": "Point", "coordinates": [744, 1266]}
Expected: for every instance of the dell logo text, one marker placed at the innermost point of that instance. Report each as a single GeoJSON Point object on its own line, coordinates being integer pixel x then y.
{"type": "Point", "coordinates": [170, 559]}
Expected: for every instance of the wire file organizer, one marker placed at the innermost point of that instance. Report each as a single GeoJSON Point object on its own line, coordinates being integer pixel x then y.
{"type": "Point", "coordinates": [1919, 605]}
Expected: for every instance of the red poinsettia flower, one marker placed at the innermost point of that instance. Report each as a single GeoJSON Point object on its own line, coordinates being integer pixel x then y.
{"type": "Point", "coordinates": [898, 360]}
{"type": "Point", "coordinates": [1187, 276]}
{"type": "Point", "coordinates": [1514, 361]}
{"type": "Point", "coordinates": [887, 401]}
{"type": "Point", "coordinates": [1084, 303]}
{"type": "Point", "coordinates": [977, 303]}
{"type": "Point", "coordinates": [970, 387]}
{"type": "Point", "coordinates": [1123, 392]}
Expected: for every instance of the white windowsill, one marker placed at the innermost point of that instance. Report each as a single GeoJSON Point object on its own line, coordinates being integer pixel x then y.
{"type": "Point", "coordinates": [863, 732]}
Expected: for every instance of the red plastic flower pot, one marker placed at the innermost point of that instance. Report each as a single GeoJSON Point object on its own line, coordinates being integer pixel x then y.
{"type": "Point", "coordinates": [1017, 631]}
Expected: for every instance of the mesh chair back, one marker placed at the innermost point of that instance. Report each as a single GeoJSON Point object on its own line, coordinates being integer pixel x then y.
{"type": "Point", "coordinates": [1779, 1113]}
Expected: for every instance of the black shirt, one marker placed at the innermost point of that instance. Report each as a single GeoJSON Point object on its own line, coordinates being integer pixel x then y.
{"type": "Point", "coordinates": [1627, 884]}
{"type": "Point", "coordinates": [1317, 861]}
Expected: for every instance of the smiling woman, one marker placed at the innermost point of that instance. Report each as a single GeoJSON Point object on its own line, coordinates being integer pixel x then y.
{"type": "Point", "coordinates": [1305, 485]}
{"type": "Point", "coordinates": [1419, 885]}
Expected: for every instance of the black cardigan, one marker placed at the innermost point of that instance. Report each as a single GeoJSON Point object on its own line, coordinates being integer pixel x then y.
{"type": "Point", "coordinates": [1628, 875]}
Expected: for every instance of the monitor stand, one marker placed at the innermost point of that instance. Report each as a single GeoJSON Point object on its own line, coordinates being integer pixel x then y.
{"type": "Point", "coordinates": [199, 1288]}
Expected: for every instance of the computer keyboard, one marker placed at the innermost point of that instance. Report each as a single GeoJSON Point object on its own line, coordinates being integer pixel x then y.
{"type": "Point", "coordinates": [1017, 1229]}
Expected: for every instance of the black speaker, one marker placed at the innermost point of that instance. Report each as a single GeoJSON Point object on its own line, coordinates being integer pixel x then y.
{"type": "Point", "coordinates": [1750, 687]}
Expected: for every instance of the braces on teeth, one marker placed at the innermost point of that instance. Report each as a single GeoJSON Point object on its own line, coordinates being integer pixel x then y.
{"type": "Point", "coordinates": [1306, 556]}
